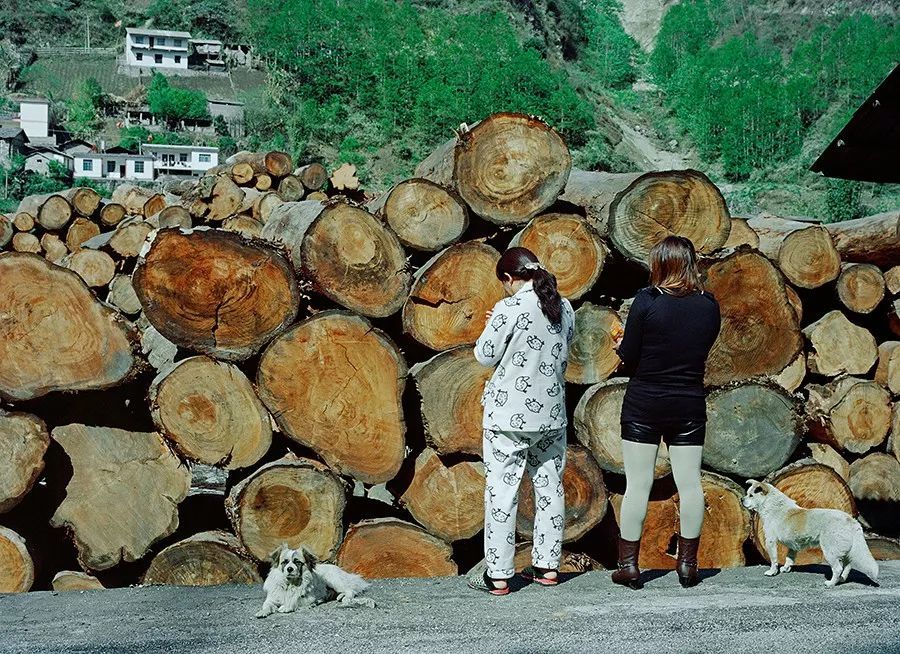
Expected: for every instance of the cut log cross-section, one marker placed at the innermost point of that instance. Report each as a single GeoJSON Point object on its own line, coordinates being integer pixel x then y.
{"type": "Point", "coordinates": [137, 200]}
{"type": "Point", "coordinates": [86, 345]}
{"type": "Point", "coordinates": [450, 385]}
{"type": "Point", "coordinates": [876, 477]}
{"type": "Point", "coordinates": [210, 411]}
{"type": "Point", "coordinates": [592, 353]}
{"type": "Point", "coordinates": [16, 566]}
{"type": "Point", "coordinates": [451, 294]}
{"type": "Point", "coordinates": [95, 267]}
{"type": "Point", "coordinates": [760, 334]}
{"type": "Point", "coordinates": [23, 443]}
{"type": "Point", "coordinates": [75, 580]}
{"type": "Point", "coordinates": [568, 247]}
{"type": "Point", "coordinates": [850, 414]}
{"type": "Point", "coordinates": [122, 295]}
{"type": "Point", "coordinates": [210, 558]}
{"type": "Point", "coordinates": [861, 287]}
{"type": "Point", "coordinates": [129, 237]}
{"type": "Point", "coordinates": [312, 175]}
{"type": "Point", "coordinates": [50, 211]}
{"type": "Point", "coordinates": [26, 242]}
{"type": "Point", "coordinates": [112, 522]}
{"type": "Point", "coordinates": [84, 200]}
{"type": "Point", "coordinates": [448, 500]}
{"type": "Point", "coordinates": [508, 168]}
{"type": "Point", "coordinates": [80, 230]}
{"type": "Point", "coordinates": [828, 456]}
{"type": "Point", "coordinates": [804, 253]}
{"type": "Point", "coordinates": [837, 346]}
{"type": "Point", "coordinates": [346, 252]}
{"type": "Point", "coordinates": [334, 383]}
{"type": "Point", "coordinates": [741, 234]}
{"type": "Point", "coordinates": [111, 213]}
{"type": "Point", "coordinates": [54, 248]}
{"type": "Point", "coordinates": [214, 292]}
{"type": "Point", "coordinates": [888, 371]}
{"type": "Point", "coordinates": [290, 189]}
{"type": "Point", "coordinates": [386, 548]}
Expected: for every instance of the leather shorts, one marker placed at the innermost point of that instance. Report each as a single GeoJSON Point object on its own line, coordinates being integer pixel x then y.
{"type": "Point", "coordinates": [681, 432]}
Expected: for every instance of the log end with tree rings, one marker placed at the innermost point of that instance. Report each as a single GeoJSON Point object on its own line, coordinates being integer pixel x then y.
{"type": "Point", "coordinates": [812, 486]}
{"type": "Point", "coordinates": [278, 164]}
{"type": "Point", "coordinates": [334, 383]}
{"type": "Point", "coordinates": [209, 410]}
{"type": "Point", "coordinates": [598, 427]}
{"type": "Point", "coordinates": [86, 346]}
{"type": "Point", "coordinates": [174, 216]}
{"type": "Point", "coordinates": [314, 175]}
{"type": "Point", "coordinates": [752, 429]}
{"type": "Point", "coordinates": [112, 213]}
{"type": "Point", "coordinates": [451, 294]}
{"type": "Point", "coordinates": [450, 385]}
{"type": "Point", "coordinates": [26, 242]}
{"type": "Point", "coordinates": [584, 490]}
{"type": "Point", "coordinates": [135, 515]}
{"type": "Point", "coordinates": [388, 548]}
{"type": "Point", "coordinates": [569, 248]}
{"type": "Point", "coordinates": [80, 230]}
{"type": "Point", "coordinates": [23, 443]}
{"type": "Point", "coordinates": [448, 500]}
{"type": "Point", "coordinates": [290, 189]}
{"type": "Point", "coordinates": [424, 215]}
{"type": "Point", "coordinates": [741, 234]}
{"type": "Point", "coordinates": [130, 237]}
{"type": "Point", "coordinates": [54, 213]}
{"type": "Point", "coordinates": [657, 205]}
{"type": "Point", "coordinates": [861, 287]}
{"type": "Point", "coordinates": [294, 501]}
{"type": "Point", "coordinates": [876, 477]}
{"type": "Point", "coordinates": [726, 524]}
{"type": "Point", "coordinates": [510, 167]}
{"type": "Point", "coordinates": [592, 352]}
{"type": "Point", "coordinates": [210, 558]}
{"type": "Point", "coordinates": [851, 414]}
{"type": "Point", "coordinates": [95, 267]}
{"type": "Point", "coordinates": [23, 222]}
{"type": "Point", "coordinates": [84, 200]}
{"type": "Point", "coordinates": [891, 278]}
{"type": "Point", "coordinates": [122, 296]}
{"type": "Point", "coordinates": [808, 258]}
{"type": "Point", "coordinates": [16, 565]}
{"type": "Point", "coordinates": [75, 580]}
{"type": "Point", "coordinates": [214, 292]}
{"type": "Point", "coordinates": [837, 346]}
{"type": "Point", "coordinates": [760, 334]}
{"type": "Point", "coordinates": [54, 248]}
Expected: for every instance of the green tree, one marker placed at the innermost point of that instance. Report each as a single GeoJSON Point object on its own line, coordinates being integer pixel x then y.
{"type": "Point", "coordinates": [172, 103]}
{"type": "Point", "coordinates": [611, 52]}
{"type": "Point", "coordinates": [686, 30]}
{"type": "Point", "coordinates": [84, 111]}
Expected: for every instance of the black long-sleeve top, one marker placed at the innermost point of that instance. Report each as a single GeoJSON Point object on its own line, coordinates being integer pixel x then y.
{"type": "Point", "coordinates": [667, 339]}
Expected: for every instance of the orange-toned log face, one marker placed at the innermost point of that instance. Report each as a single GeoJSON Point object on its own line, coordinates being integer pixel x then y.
{"type": "Point", "coordinates": [213, 292]}
{"type": "Point", "coordinates": [390, 548]}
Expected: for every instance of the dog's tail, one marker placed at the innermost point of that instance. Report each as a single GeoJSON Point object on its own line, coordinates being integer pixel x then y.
{"type": "Point", "coordinates": [860, 556]}
{"type": "Point", "coordinates": [341, 581]}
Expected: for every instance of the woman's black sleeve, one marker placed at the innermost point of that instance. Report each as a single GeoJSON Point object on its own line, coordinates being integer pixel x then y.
{"type": "Point", "coordinates": [630, 347]}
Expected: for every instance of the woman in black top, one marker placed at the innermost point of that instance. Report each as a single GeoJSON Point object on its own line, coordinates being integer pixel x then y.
{"type": "Point", "coordinates": [670, 330]}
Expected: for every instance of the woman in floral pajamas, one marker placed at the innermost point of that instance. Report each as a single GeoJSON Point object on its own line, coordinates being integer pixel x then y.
{"type": "Point", "coordinates": [526, 340]}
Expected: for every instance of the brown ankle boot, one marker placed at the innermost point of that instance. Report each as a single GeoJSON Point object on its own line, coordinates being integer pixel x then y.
{"type": "Point", "coordinates": [687, 561]}
{"type": "Point", "coordinates": [628, 573]}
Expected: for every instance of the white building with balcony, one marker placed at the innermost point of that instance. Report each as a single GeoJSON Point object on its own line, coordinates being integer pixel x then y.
{"type": "Point", "coordinates": [156, 48]}
{"type": "Point", "coordinates": [181, 159]}
{"type": "Point", "coordinates": [104, 165]}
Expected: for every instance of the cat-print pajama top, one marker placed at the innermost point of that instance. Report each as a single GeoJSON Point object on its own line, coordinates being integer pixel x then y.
{"type": "Point", "coordinates": [527, 390]}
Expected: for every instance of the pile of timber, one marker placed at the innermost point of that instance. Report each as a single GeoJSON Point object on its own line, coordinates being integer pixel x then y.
{"type": "Point", "coordinates": [189, 380]}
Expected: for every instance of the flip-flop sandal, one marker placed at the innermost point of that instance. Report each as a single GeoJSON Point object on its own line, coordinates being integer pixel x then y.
{"type": "Point", "coordinates": [537, 575]}
{"type": "Point", "coordinates": [486, 584]}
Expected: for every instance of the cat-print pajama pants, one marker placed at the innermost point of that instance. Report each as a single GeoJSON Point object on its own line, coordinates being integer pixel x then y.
{"type": "Point", "coordinates": [506, 456]}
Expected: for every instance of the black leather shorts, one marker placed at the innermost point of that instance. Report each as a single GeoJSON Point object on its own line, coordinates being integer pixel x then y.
{"type": "Point", "coordinates": [682, 432]}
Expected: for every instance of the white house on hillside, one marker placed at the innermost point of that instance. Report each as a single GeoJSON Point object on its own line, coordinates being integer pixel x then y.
{"type": "Point", "coordinates": [156, 48]}
{"type": "Point", "coordinates": [152, 161]}
{"type": "Point", "coordinates": [103, 165]}
{"type": "Point", "coordinates": [181, 159]}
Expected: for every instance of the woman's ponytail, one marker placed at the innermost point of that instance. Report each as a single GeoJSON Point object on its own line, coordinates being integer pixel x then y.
{"type": "Point", "coordinates": [521, 263]}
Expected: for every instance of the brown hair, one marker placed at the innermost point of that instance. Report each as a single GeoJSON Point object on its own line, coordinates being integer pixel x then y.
{"type": "Point", "coordinates": [522, 263]}
{"type": "Point", "coordinates": [673, 266]}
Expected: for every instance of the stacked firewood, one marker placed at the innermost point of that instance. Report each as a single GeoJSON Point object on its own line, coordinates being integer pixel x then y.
{"type": "Point", "coordinates": [271, 356]}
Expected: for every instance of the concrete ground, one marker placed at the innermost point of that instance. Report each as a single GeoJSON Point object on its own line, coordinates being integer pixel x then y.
{"type": "Point", "coordinates": [737, 611]}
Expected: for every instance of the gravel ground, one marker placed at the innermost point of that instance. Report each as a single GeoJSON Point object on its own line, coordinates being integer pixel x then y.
{"type": "Point", "coordinates": [737, 610]}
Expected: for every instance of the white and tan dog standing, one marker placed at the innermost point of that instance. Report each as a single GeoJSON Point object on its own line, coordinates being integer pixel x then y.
{"type": "Point", "coordinates": [837, 533]}
{"type": "Point", "coordinates": [298, 580]}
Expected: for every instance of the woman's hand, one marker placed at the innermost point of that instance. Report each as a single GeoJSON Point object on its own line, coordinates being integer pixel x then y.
{"type": "Point", "coordinates": [487, 316]}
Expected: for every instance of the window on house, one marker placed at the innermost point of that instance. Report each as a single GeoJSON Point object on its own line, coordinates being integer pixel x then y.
{"type": "Point", "coordinates": [177, 59]}
{"type": "Point", "coordinates": [139, 166]}
{"type": "Point", "coordinates": [87, 165]}
{"type": "Point", "coordinates": [138, 39]}
{"type": "Point", "coordinates": [110, 166]}
{"type": "Point", "coordinates": [182, 157]}
{"type": "Point", "coordinates": [139, 56]}
{"type": "Point", "coordinates": [157, 58]}
{"type": "Point", "coordinates": [204, 158]}
{"type": "Point", "coordinates": [162, 40]}
{"type": "Point", "coordinates": [177, 43]}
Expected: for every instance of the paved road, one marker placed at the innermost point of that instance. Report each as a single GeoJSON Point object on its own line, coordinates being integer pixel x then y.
{"type": "Point", "coordinates": [737, 611]}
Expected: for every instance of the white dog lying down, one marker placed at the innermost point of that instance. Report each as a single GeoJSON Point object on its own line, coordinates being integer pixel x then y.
{"type": "Point", "coordinates": [297, 579]}
{"type": "Point", "coordinates": [839, 535]}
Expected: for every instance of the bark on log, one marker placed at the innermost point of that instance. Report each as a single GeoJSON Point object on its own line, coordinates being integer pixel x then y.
{"type": "Point", "coordinates": [80, 230]}
{"type": "Point", "coordinates": [752, 429]}
{"type": "Point", "coordinates": [213, 292]}
{"type": "Point", "coordinates": [850, 414]}
{"type": "Point", "coordinates": [876, 477]}
{"type": "Point", "coordinates": [888, 371]}
{"type": "Point", "coordinates": [741, 234]}
{"type": "Point", "coordinates": [875, 239]}
{"type": "Point", "coordinates": [347, 253]}
{"type": "Point", "coordinates": [334, 383]}
{"type": "Point", "coordinates": [84, 200]}
{"type": "Point", "coordinates": [568, 247]}
{"type": "Point", "coordinates": [122, 296]}
{"type": "Point", "coordinates": [54, 249]}
{"type": "Point", "coordinates": [275, 163]}
{"type": "Point", "coordinates": [109, 521]}
{"type": "Point", "coordinates": [290, 189]}
{"type": "Point", "coordinates": [891, 279]}
{"type": "Point", "coordinates": [137, 200]}
{"type": "Point", "coordinates": [828, 456]}
{"type": "Point", "coordinates": [25, 242]}
{"type": "Point", "coordinates": [894, 438]}
{"type": "Point", "coordinates": [860, 287]}
{"type": "Point", "coordinates": [597, 427]}
{"type": "Point", "coordinates": [883, 548]}
{"type": "Point", "coordinates": [450, 295]}
{"type": "Point", "coordinates": [16, 566]}
{"type": "Point", "coordinates": [111, 213]}
{"type": "Point", "coordinates": [6, 231]}
{"type": "Point", "coordinates": [209, 411]}
{"type": "Point", "coordinates": [585, 493]}
{"type": "Point", "coordinates": [73, 580]}
{"type": "Point", "coordinates": [448, 500]}
{"type": "Point", "coordinates": [804, 253]}
{"type": "Point", "coordinates": [791, 378]}
{"type": "Point", "coordinates": [388, 548]}
{"type": "Point", "coordinates": [312, 175]}
{"type": "Point", "coordinates": [424, 215]}
{"type": "Point", "coordinates": [508, 168]}
{"type": "Point", "coordinates": [96, 268]}
{"type": "Point", "coordinates": [571, 563]}
{"type": "Point", "coordinates": [210, 558]}
{"type": "Point", "coordinates": [23, 222]}
{"type": "Point", "coordinates": [837, 346]}
{"type": "Point", "coordinates": [85, 346]}
{"type": "Point", "coordinates": [51, 211]}
{"type": "Point", "coordinates": [795, 302]}
{"type": "Point", "coordinates": [592, 353]}
{"type": "Point", "coordinates": [450, 385]}
{"type": "Point", "coordinates": [23, 443]}
{"type": "Point", "coordinates": [760, 334]}
{"type": "Point", "coordinates": [811, 485]}
{"type": "Point", "coordinates": [638, 210]}
{"type": "Point", "coordinates": [129, 237]}
{"type": "Point", "coordinates": [292, 500]}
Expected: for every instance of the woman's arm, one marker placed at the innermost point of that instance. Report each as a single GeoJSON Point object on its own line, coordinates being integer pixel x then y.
{"type": "Point", "coordinates": [630, 347]}
{"type": "Point", "coordinates": [491, 345]}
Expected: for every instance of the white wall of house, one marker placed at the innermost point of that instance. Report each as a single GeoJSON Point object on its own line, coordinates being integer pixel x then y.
{"type": "Point", "coordinates": [156, 49]}
{"type": "Point", "coordinates": [39, 162]}
{"type": "Point", "coordinates": [90, 166]}
{"type": "Point", "coordinates": [34, 118]}
{"type": "Point", "coordinates": [139, 169]}
{"type": "Point", "coordinates": [182, 159]}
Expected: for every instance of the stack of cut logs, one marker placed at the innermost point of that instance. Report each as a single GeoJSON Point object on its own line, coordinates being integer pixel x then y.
{"type": "Point", "coordinates": [190, 378]}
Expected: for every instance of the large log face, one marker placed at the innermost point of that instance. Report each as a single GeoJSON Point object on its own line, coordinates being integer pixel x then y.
{"type": "Point", "coordinates": [55, 335]}
{"type": "Point", "coordinates": [206, 559]}
{"type": "Point", "coordinates": [851, 414]}
{"type": "Point", "coordinates": [424, 215]}
{"type": "Point", "coordinates": [214, 292]}
{"type": "Point", "coordinates": [451, 294]}
{"type": "Point", "coordinates": [838, 346]}
{"type": "Point", "coordinates": [592, 353]}
{"type": "Point", "coordinates": [16, 566]}
{"type": "Point", "coordinates": [350, 411]}
{"type": "Point", "coordinates": [876, 477]}
{"type": "Point", "coordinates": [23, 442]}
{"type": "Point", "coordinates": [861, 287]}
{"type": "Point", "coordinates": [389, 548]}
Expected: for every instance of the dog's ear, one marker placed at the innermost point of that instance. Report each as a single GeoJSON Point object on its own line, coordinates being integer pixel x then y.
{"type": "Point", "coordinates": [750, 482]}
{"type": "Point", "coordinates": [309, 558]}
{"type": "Point", "coordinates": [764, 488]}
{"type": "Point", "coordinates": [275, 557]}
